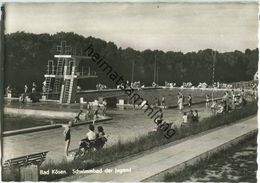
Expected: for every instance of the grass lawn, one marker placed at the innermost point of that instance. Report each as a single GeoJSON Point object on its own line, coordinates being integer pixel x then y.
{"type": "Point", "coordinates": [235, 164]}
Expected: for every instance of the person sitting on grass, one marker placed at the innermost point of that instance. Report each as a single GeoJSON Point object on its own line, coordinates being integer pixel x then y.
{"type": "Point", "coordinates": [91, 135]}
{"type": "Point", "coordinates": [101, 138]}
{"type": "Point", "coordinates": [159, 120]}
{"type": "Point", "coordinates": [190, 116]}
{"type": "Point", "coordinates": [213, 106]}
{"type": "Point", "coordinates": [221, 108]}
{"type": "Point", "coordinates": [195, 116]}
{"type": "Point", "coordinates": [242, 101]}
{"type": "Point", "coordinates": [185, 118]}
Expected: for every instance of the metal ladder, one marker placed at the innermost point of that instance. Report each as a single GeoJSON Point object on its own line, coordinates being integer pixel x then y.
{"type": "Point", "coordinates": [50, 70]}
{"type": "Point", "coordinates": [65, 98]}
{"type": "Point", "coordinates": [59, 71]}
{"type": "Point", "coordinates": [48, 86]}
{"type": "Point", "coordinates": [68, 86]}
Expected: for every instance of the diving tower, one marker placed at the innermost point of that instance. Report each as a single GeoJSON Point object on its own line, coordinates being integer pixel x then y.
{"type": "Point", "coordinates": [62, 76]}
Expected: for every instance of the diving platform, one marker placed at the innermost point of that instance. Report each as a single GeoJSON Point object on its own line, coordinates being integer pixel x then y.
{"type": "Point", "coordinates": [62, 75]}
{"type": "Point", "coordinates": [72, 56]}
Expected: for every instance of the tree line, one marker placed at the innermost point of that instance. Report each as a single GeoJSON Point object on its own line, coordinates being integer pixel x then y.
{"type": "Point", "coordinates": [27, 56]}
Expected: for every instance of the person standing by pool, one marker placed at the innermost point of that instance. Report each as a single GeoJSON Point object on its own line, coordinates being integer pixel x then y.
{"type": "Point", "coordinates": [189, 101]}
{"type": "Point", "coordinates": [96, 114]}
{"type": "Point", "coordinates": [233, 95]}
{"type": "Point", "coordinates": [67, 136]}
{"type": "Point", "coordinates": [163, 101]}
{"type": "Point", "coordinates": [34, 87]}
{"type": "Point", "coordinates": [25, 89]}
{"type": "Point", "coordinates": [225, 101]}
{"type": "Point", "coordinates": [104, 107]}
{"type": "Point", "coordinates": [180, 101]}
{"type": "Point", "coordinates": [8, 90]}
{"type": "Point", "coordinates": [207, 102]}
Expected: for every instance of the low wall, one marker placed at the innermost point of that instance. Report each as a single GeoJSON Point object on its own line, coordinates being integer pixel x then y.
{"type": "Point", "coordinates": [40, 113]}
{"type": "Point", "coordinates": [47, 127]}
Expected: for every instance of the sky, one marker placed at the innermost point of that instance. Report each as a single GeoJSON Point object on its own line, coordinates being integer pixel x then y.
{"type": "Point", "coordinates": [163, 26]}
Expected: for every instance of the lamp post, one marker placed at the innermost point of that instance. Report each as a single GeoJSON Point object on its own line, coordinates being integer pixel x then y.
{"type": "Point", "coordinates": [213, 53]}
{"type": "Point", "coordinates": [133, 70]}
{"type": "Point", "coordinates": [154, 75]}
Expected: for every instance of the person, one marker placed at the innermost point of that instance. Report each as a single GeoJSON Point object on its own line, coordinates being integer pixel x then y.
{"type": "Point", "coordinates": [8, 90]}
{"type": "Point", "coordinates": [213, 106]}
{"type": "Point", "coordinates": [196, 116]}
{"type": "Point", "coordinates": [161, 113]}
{"type": "Point", "coordinates": [163, 101]}
{"type": "Point", "coordinates": [34, 87]}
{"type": "Point", "coordinates": [190, 116]}
{"type": "Point", "coordinates": [101, 137]}
{"type": "Point", "coordinates": [241, 101]}
{"type": "Point", "coordinates": [156, 104]}
{"type": "Point", "coordinates": [189, 100]}
{"type": "Point", "coordinates": [44, 84]}
{"type": "Point", "coordinates": [104, 107]}
{"type": "Point", "coordinates": [25, 89]}
{"type": "Point", "coordinates": [207, 101]}
{"type": "Point", "coordinates": [180, 102]}
{"type": "Point", "coordinates": [242, 93]}
{"type": "Point", "coordinates": [22, 98]}
{"type": "Point", "coordinates": [96, 114]}
{"type": "Point", "coordinates": [225, 101]}
{"type": "Point", "coordinates": [100, 132]}
{"type": "Point", "coordinates": [88, 111]}
{"type": "Point", "coordinates": [67, 136]}
{"type": "Point", "coordinates": [233, 95]}
{"type": "Point", "coordinates": [185, 118]}
{"type": "Point", "coordinates": [91, 135]}
{"type": "Point", "coordinates": [221, 108]}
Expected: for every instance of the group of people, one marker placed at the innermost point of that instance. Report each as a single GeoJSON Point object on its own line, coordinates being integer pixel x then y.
{"type": "Point", "coordinates": [229, 101]}
{"type": "Point", "coordinates": [26, 92]}
{"type": "Point", "coordinates": [93, 112]}
{"type": "Point", "coordinates": [181, 100]}
{"type": "Point", "coordinates": [157, 102]}
{"type": "Point", "coordinates": [169, 85]}
{"type": "Point", "coordinates": [9, 90]}
{"type": "Point", "coordinates": [191, 116]}
{"type": "Point", "coordinates": [101, 86]}
{"type": "Point", "coordinates": [97, 138]}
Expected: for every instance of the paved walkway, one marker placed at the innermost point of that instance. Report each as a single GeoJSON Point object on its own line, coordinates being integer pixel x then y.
{"type": "Point", "coordinates": [156, 162]}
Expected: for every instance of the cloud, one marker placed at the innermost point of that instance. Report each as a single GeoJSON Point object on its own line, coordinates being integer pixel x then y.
{"type": "Point", "coordinates": [164, 26]}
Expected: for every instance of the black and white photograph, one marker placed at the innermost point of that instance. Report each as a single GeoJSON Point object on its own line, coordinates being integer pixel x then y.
{"type": "Point", "coordinates": [129, 91]}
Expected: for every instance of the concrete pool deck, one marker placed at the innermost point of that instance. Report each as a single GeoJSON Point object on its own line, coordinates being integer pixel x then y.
{"type": "Point", "coordinates": [153, 166]}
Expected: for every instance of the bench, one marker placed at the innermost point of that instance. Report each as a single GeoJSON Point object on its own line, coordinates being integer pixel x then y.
{"type": "Point", "coordinates": [27, 166]}
{"type": "Point", "coordinates": [32, 159]}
